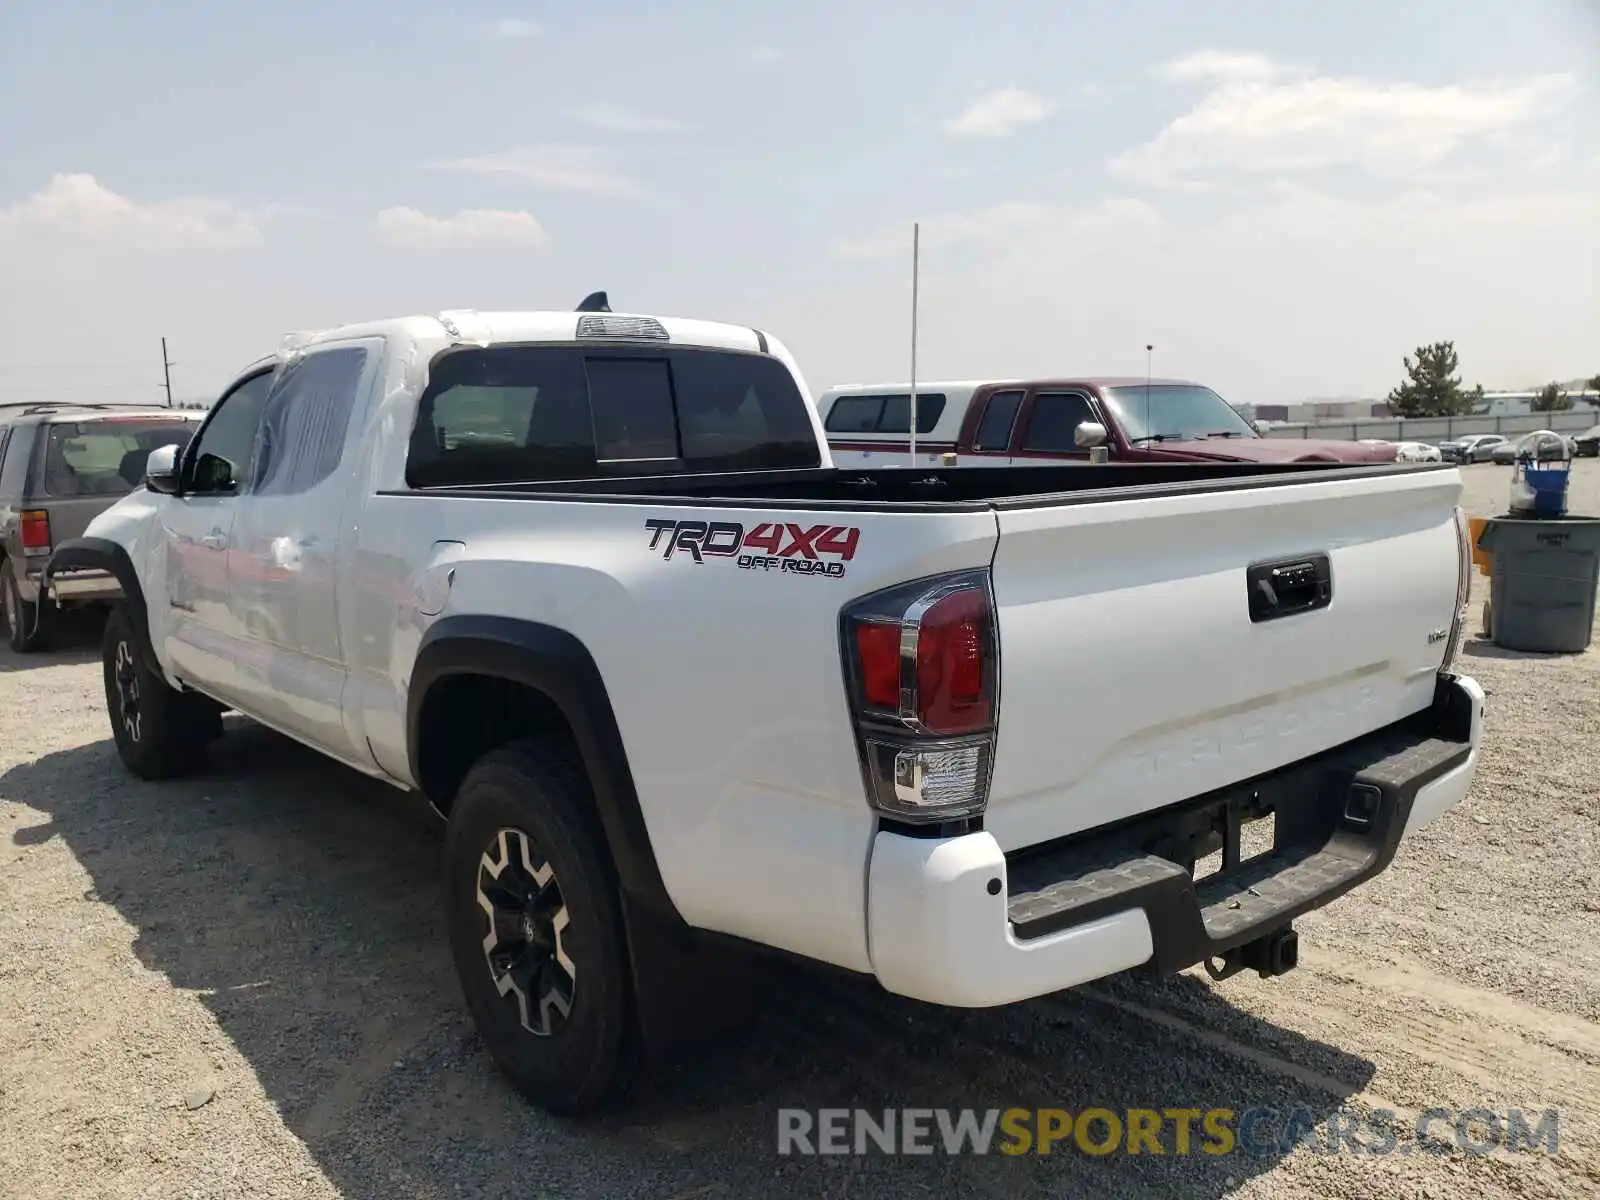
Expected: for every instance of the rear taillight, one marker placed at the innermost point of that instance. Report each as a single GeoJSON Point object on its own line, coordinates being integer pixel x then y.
{"type": "Point", "coordinates": [1458, 626]}
{"type": "Point", "coordinates": [922, 664]}
{"type": "Point", "coordinates": [35, 532]}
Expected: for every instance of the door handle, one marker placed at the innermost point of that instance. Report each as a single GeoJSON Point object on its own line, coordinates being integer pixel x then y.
{"type": "Point", "coordinates": [215, 540]}
{"type": "Point", "coordinates": [1282, 589]}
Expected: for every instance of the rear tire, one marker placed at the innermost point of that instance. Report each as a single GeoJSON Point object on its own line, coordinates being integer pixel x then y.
{"type": "Point", "coordinates": [536, 929]}
{"type": "Point", "coordinates": [28, 626]}
{"type": "Point", "coordinates": [160, 732]}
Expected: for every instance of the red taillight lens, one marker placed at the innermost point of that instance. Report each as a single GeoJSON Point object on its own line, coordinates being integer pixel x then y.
{"type": "Point", "coordinates": [926, 736]}
{"type": "Point", "coordinates": [951, 698]}
{"type": "Point", "coordinates": [878, 648]}
{"type": "Point", "coordinates": [35, 531]}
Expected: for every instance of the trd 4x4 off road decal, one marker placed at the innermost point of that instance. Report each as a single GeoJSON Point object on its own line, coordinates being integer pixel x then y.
{"type": "Point", "coordinates": [782, 546]}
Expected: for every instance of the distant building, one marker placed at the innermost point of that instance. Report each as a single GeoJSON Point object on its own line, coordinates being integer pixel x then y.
{"type": "Point", "coordinates": [1516, 404]}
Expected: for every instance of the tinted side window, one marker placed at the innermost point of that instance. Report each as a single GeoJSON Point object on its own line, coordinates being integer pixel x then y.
{"type": "Point", "coordinates": [5, 436]}
{"type": "Point", "coordinates": [884, 414]}
{"type": "Point", "coordinates": [225, 447]}
{"type": "Point", "coordinates": [631, 399]}
{"type": "Point", "coordinates": [999, 415]}
{"type": "Point", "coordinates": [1054, 418]}
{"type": "Point", "coordinates": [897, 412]}
{"type": "Point", "coordinates": [854, 414]}
{"type": "Point", "coordinates": [305, 419]}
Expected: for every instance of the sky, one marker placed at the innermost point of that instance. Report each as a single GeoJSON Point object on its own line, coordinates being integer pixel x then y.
{"type": "Point", "coordinates": [1283, 197]}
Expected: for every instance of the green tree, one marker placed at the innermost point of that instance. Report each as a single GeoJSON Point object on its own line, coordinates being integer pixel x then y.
{"type": "Point", "coordinates": [1593, 385]}
{"type": "Point", "coordinates": [1549, 399]}
{"type": "Point", "coordinates": [1433, 388]}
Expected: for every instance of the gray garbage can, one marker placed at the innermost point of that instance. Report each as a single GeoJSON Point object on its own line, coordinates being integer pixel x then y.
{"type": "Point", "coordinates": [1543, 582]}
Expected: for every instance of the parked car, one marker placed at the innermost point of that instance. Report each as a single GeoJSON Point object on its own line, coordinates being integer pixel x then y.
{"type": "Point", "coordinates": [671, 678]}
{"type": "Point", "coordinates": [1023, 423]}
{"type": "Point", "coordinates": [61, 465]}
{"type": "Point", "coordinates": [1542, 445]}
{"type": "Point", "coordinates": [1473, 448]}
{"type": "Point", "coordinates": [1416, 452]}
{"type": "Point", "coordinates": [1587, 443]}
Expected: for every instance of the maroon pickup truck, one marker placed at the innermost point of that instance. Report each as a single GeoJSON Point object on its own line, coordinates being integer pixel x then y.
{"type": "Point", "coordinates": [1030, 422]}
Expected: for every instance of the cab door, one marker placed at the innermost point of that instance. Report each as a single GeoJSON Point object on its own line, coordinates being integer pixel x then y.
{"type": "Point", "coordinates": [290, 537]}
{"type": "Point", "coordinates": [1047, 429]}
{"type": "Point", "coordinates": [196, 530]}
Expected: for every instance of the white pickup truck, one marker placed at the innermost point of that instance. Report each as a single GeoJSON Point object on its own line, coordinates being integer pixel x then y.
{"type": "Point", "coordinates": [591, 584]}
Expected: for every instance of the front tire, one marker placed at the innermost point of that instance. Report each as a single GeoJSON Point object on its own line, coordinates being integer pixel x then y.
{"type": "Point", "coordinates": [536, 928]}
{"type": "Point", "coordinates": [28, 626]}
{"type": "Point", "coordinates": [161, 733]}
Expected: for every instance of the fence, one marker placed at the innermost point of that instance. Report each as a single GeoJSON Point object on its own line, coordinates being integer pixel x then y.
{"type": "Point", "coordinates": [1433, 429]}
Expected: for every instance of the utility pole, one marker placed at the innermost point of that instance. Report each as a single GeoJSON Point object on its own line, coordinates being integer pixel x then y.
{"type": "Point", "coordinates": [916, 251]}
{"type": "Point", "coordinates": [166, 370]}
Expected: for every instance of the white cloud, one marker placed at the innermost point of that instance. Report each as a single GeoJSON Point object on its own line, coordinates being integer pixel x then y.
{"type": "Point", "coordinates": [564, 168]}
{"type": "Point", "coordinates": [512, 29]}
{"type": "Point", "coordinates": [471, 228]}
{"type": "Point", "coordinates": [1219, 64]}
{"type": "Point", "coordinates": [754, 55]}
{"type": "Point", "coordinates": [79, 206]}
{"type": "Point", "coordinates": [1417, 214]}
{"type": "Point", "coordinates": [1259, 126]}
{"type": "Point", "coordinates": [614, 118]}
{"type": "Point", "coordinates": [1012, 222]}
{"type": "Point", "coordinates": [998, 113]}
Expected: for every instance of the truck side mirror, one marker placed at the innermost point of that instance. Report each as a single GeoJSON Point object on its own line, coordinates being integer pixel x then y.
{"type": "Point", "coordinates": [161, 470]}
{"type": "Point", "coordinates": [1089, 434]}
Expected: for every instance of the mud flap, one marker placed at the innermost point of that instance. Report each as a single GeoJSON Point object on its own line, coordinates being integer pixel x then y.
{"type": "Point", "coordinates": [686, 989]}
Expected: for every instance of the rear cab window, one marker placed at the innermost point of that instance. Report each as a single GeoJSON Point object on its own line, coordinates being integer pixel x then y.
{"type": "Point", "coordinates": [506, 414]}
{"type": "Point", "coordinates": [104, 456]}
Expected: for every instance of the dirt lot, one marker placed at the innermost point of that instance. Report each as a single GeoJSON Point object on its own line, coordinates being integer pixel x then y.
{"type": "Point", "coordinates": [237, 985]}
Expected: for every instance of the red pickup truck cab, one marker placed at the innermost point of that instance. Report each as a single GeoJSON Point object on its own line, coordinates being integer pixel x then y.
{"type": "Point", "coordinates": [1033, 422]}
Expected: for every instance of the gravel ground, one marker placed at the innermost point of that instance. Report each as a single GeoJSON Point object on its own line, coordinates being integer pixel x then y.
{"type": "Point", "coordinates": [237, 985]}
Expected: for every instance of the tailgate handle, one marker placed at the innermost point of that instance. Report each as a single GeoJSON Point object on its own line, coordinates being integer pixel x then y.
{"type": "Point", "coordinates": [1289, 586]}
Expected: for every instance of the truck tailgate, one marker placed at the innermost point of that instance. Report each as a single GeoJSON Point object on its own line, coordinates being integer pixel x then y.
{"type": "Point", "coordinates": [1132, 674]}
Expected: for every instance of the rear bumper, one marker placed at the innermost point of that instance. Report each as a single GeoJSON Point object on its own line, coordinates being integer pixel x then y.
{"type": "Point", "coordinates": [956, 921]}
{"type": "Point", "coordinates": [71, 586]}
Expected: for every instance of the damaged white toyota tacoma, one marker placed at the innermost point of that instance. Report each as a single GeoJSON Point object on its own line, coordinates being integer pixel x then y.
{"type": "Point", "coordinates": [591, 584]}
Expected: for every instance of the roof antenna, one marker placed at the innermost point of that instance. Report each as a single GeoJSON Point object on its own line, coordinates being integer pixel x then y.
{"type": "Point", "coordinates": [916, 235]}
{"type": "Point", "coordinates": [1148, 350]}
{"type": "Point", "coordinates": [595, 302]}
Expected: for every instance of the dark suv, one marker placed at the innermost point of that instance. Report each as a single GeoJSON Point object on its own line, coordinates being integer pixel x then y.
{"type": "Point", "coordinates": [61, 465]}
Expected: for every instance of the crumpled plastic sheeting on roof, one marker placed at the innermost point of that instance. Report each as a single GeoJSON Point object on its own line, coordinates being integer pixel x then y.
{"type": "Point", "coordinates": [466, 327]}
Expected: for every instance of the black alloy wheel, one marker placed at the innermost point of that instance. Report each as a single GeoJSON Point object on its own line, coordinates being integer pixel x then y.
{"type": "Point", "coordinates": [525, 921]}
